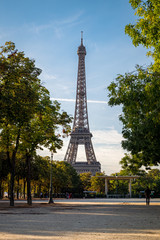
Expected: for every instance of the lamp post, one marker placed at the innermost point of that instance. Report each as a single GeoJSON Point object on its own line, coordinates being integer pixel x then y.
{"type": "Point", "coordinates": [51, 187]}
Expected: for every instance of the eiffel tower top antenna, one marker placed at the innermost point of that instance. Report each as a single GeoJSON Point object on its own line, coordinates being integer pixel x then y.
{"type": "Point", "coordinates": [81, 37]}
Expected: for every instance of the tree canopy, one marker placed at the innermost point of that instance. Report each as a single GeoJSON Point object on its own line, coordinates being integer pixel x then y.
{"type": "Point", "coordinates": [138, 92]}
{"type": "Point", "coordinates": [146, 30]}
{"type": "Point", "coordinates": [28, 118]}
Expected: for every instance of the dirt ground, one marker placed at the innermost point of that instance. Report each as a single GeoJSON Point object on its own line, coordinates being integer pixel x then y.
{"type": "Point", "coordinates": [77, 220]}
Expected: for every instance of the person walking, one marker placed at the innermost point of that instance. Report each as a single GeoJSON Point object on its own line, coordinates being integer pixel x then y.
{"type": "Point", "coordinates": [148, 195]}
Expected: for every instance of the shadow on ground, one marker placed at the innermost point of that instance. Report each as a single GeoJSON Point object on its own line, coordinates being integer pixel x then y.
{"type": "Point", "coordinates": [60, 219]}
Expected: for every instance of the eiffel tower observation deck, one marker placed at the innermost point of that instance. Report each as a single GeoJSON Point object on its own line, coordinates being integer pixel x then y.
{"type": "Point", "coordinates": [81, 134]}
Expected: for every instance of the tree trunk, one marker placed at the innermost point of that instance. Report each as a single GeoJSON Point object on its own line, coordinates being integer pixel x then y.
{"type": "Point", "coordinates": [28, 163]}
{"type": "Point", "coordinates": [1, 195]}
{"type": "Point", "coordinates": [9, 188]}
{"type": "Point", "coordinates": [24, 189]}
{"type": "Point", "coordinates": [13, 159]}
{"type": "Point", "coordinates": [39, 190]}
{"type": "Point", "coordinates": [18, 188]}
{"type": "Point", "coordinates": [12, 184]}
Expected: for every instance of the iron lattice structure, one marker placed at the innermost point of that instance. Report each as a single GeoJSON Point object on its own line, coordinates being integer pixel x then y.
{"type": "Point", "coordinates": [80, 132]}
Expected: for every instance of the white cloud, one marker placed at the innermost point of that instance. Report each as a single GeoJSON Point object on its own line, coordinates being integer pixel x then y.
{"type": "Point", "coordinates": [70, 20]}
{"type": "Point", "coordinates": [63, 99]}
{"type": "Point", "coordinates": [73, 100]}
{"type": "Point", "coordinates": [105, 137]}
{"type": "Point", "coordinates": [109, 157]}
{"type": "Point", "coordinates": [57, 25]}
{"type": "Point", "coordinates": [47, 76]}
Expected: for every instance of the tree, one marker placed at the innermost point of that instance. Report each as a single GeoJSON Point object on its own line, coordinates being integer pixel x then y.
{"type": "Point", "coordinates": [150, 179]}
{"type": "Point", "coordinates": [19, 90]}
{"type": "Point", "coordinates": [43, 130]}
{"type": "Point", "coordinates": [131, 164]}
{"type": "Point", "coordinates": [139, 91]}
{"type": "Point", "coordinates": [154, 180]}
{"type": "Point", "coordinates": [98, 184]}
{"type": "Point", "coordinates": [86, 180]}
{"type": "Point", "coordinates": [139, 94]}
{"type": "Point", "coordinates": [40, 175]}
{"type": "Point", "coordinates": [28, 119]}
{"type": "Point", "coordinates": [65, 178]}
{"type": "Point", "coordinates": [146, 31]}
{"type": "Point", "coordinates": [119, 186]}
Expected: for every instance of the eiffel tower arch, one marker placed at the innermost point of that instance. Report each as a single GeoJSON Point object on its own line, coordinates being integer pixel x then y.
{"type": "Point", "coordinates": [81, 134]}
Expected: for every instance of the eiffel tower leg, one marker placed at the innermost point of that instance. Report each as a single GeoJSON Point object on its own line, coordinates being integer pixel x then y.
{"type": "Point", "coordinates": [71, 153]}
{"type": "Point", "coordinates": [90, 155]}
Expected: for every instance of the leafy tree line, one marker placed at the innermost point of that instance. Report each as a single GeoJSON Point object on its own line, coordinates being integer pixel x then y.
{"type": "Point", "coordinates": [150, 179]}
{"type": "Point", "coordinates": [120, 187]}
{"type": "Point", "coordinates": [65, 178]}
{"type": "Point", "coordinates": [138, 92]}
{"type": "Point", "coordinates": [28, 119]}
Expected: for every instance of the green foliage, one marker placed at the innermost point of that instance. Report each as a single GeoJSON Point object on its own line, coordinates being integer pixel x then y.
{"type": "Point", "coordinates": [146, 30]}
{"type": "Point", "coordinates": [65, 178]}
{"type": "Point", "coordinates": [40, 175]}
{"type": "Point", "coordinates": [139, 94]}
{"type": "Point", "coordinates": [150, 179]}
{"type": "Point", "coordinates": [98, 184]}
{"type": "Point", "coordinates": [131, 164]}
{"type": "Point", "coordinates": [28, 119]}
{"type": "Point", "coordinates": [119, 186]}
{"type": "Point", "coordinates": [19, 85]}
{"type": "Point", "coordinates": [86, 181]}
{"type": "Point", "coordinates": [19, 94]}
{"type": "Point", "coordinates": [153, 178]}
{"type": "Point", "coordinates": [40, 168]}
{"type": "Point", "coordinates": [43, 129]}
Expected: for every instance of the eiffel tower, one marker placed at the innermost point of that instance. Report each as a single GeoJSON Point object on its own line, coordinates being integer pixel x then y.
{"type": "Point", "coordinates": [81, 134]}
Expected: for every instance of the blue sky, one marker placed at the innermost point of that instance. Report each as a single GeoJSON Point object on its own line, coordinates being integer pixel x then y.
{"type": "Point", "coordinates": [49, 31]}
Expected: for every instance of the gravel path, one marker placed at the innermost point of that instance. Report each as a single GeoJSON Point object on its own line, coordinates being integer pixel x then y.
{"type": "Point", "coordinates": [77, 220]}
